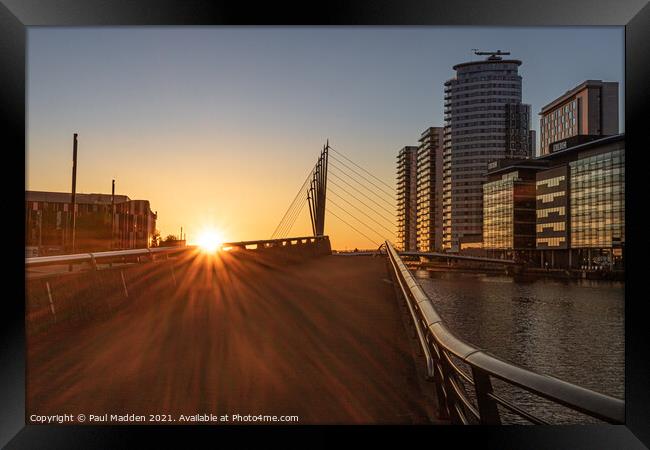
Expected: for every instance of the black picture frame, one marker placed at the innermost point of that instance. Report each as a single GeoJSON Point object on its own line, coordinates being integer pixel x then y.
{"type": "Point", "coordinates": [16, 15]}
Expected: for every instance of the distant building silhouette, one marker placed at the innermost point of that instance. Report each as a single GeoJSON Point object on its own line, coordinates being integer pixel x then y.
{"type": "Point", "coordinates": [407, 198]}
{"type": "Point", "coordinates": [48, 222]}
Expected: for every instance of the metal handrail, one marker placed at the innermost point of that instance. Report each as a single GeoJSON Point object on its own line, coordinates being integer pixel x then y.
{"type": "Point", "coordinates": [95, 257]}
{"type": "Point", "coordinates": [460, 257]}
{"type": "Point", "coordinates": [78, 258]}
{"type": "Point", "coordinates": [442, 343]}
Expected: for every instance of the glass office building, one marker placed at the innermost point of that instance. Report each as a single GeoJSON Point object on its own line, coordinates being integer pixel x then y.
{"type": "Point", "coordinates": [552, 209]}
{"type": "Point", "coordinates": [498, 214]}
{"type": "Point", "coordinates": [598, 207]}
{"type": "Point", "coordinates": [509, 209]}
{"type": "Point", "coordinates": [581, 206]}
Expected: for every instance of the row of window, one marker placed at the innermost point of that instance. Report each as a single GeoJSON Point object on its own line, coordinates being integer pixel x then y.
{"type": "Point", "coordinates": [550, 182]}
{"type": "Point", "coordinates": [550, 241]}
{"type": "Point", "coordinates": [464, 87]}
{"type": "Point", "coordinates": [559, 210]}
{"type": "Point", "coordinates": [572, 106]}
{"type": "Point", "coordinates": [546, 198]}
{"type": "Point", "coordinates": [484, 100]}
{"type": "Point", "coordinates": [456, 118]}
{"type": "Point", "coordinates": [457, 147]}
{"type": "Point", "coordinates": [553, 226]}
{"type": "Point", "coordinates": [480, 92]}
{"type": "Point", "coordinates": [495, 108]}
{"type": "Point", "coordinates": [499, 130]}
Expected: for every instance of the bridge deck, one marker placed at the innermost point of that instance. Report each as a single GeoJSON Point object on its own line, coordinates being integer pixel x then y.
{"type": "Point", "coordinates": [323, 340]}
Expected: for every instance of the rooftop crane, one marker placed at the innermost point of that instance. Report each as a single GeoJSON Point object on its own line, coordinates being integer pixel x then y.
{"type": "Point", "coordinates": [494, 56]}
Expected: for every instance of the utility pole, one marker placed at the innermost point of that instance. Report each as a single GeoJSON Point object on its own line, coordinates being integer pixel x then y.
{"type": "Point", "coordinates": [40, 230]}
{"type": "Point", "coordinates": [112, 216]}
{"type": "Point", "coordinates": [74, 190]}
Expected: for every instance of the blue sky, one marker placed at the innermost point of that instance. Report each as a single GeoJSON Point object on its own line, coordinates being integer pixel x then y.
{"type": "Point", "coordinates": [223, 115]}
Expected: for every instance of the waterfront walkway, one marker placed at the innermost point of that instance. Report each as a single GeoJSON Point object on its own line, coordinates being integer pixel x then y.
{"type": "Point", "coordinates": [324, 340]}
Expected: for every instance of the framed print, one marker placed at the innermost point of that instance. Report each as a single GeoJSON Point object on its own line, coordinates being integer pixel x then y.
{"type": "Point", "coordinates": [336, 220]}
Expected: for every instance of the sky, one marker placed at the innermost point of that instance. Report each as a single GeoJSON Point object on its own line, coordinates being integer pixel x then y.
{"type": "Point", "coordinates": [219, 126]}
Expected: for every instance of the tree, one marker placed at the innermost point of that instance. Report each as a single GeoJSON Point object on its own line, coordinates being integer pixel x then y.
{"type": "Point", "coordinates": [171, 237]}
{"type": "Point", "coordinates": [155, 238]}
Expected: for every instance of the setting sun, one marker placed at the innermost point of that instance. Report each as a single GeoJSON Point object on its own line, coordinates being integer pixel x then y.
{"type": "Point", "coordinates": [210, 241]}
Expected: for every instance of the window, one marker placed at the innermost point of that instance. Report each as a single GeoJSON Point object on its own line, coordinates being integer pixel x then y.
{"type": "Point", "coordinates": [546, 198]}
{"type": "Point", "coordinates": [553, 226]}
{"type": "Point", "coordinates": [541, 213]}
{"type": "Point", "coordinates": [550, 241]}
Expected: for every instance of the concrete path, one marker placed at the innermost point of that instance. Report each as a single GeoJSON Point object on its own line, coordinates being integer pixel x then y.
{"type": "Point", "coordinates": [323, 340]}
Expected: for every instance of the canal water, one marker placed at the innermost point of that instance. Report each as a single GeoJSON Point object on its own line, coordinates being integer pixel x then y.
{"type": "Point", "coordinates": [570, 329]}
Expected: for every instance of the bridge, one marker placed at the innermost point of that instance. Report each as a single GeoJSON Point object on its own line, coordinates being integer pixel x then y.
{"type": "Point", "coordinates": [453, 257]}
{"type": "Point", "coordinates": [281, 328]}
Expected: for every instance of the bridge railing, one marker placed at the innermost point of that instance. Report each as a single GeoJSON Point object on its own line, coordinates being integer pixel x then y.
{"type": "Point", "coordinates": [469, 396]}
{"type": "Point", "coordinates": [94, 258]}
{"type": "Point", "coordinates": [455, 257]}
{"type": "Point", "coordinates": [275, 243]}
{"type": "Point", "coordinates": [320, 243]}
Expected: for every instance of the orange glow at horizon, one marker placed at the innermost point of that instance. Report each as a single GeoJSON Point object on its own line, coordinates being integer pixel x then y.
{"type": "Point", "coordinates": [210, 240]}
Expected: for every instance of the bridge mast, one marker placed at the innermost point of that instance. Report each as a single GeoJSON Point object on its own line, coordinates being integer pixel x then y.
{"type": "Point", "coordinates": [311, 212]}
{"type": "Point", "coordinates": [316, 195]}
{"type": "Point", "coordinates": [325, 160]}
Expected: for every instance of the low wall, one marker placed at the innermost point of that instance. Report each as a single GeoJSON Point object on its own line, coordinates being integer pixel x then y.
{"type": "Point", "coordinates": [279, 253]}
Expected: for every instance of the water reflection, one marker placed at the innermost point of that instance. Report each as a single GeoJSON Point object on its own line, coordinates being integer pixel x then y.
{"type": "Point", "coordinates": [571, 329]}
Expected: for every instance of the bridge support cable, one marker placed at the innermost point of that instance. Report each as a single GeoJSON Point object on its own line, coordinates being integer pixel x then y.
{"type": "Point", "coordinates": [314, 191]}
{"type": "Point", "coordinates": [382, 236]}
{"type": "Point", "coordinates": [387, 219]}
{"type": "Point", "coordinates": [288, 231]}
{"type": "Point", "coordinates": [338, 161]}
{"type": "Point", "coordinates": [389, 211]}
{"type": "Point", "coordinates": [357, 165]}
{"type": "Point", "coordinates": [291, 218]}
{"type": "Point", "coordinates": [360, 195]}
{"type": "Point", "coordinates": [292, 205]}
{"type": "Point", "coordinates": [358, 209]}
{"type": "Point", "coordinates": [351, 226]}
{"type": "Point", "coordinates": [339, 171]}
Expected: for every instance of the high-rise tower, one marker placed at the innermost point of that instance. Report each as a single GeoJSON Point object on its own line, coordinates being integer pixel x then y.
{"type": "Point", "coordinates": [484, 121]}
{"type": "Point", "coordinates": [429, 190]}
{"type": "Point", "coordinates": [406, 198]}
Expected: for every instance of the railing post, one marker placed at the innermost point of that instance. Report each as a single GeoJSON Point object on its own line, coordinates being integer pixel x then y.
{"type": "Point", "coordinates": [438, 380]}
{"type": "Point", "coordinates": [93, 262]}
{"type": "Point", "coordinates": [450, 397]}
{"type": "Point", "coordinates": [487, 406]}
